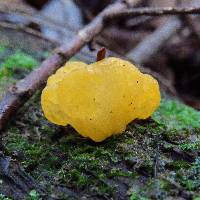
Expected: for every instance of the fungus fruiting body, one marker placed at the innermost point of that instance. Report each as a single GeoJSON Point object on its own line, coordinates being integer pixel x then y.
{"type": "Point", "coordinates": [99, 99]}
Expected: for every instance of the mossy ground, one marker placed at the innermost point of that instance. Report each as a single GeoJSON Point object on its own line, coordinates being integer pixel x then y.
{"type": "Point", "coordinates": [154, 159]}
{"type": "Point", "coordinates": [14, 65]}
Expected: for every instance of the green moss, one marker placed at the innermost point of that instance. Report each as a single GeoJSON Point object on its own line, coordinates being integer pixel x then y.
{"type": "Point", "coordinates": [2, 49]}
{"type": "Point", "coordinates": [178, 164]}
{"type": "Point", "coordinates": [91, 165]}
{"type": "Point", "coordinates": [191, 146]}
{"type": "Point", "coordinates": [33, 195]}
{"type": "Point", "coordinates": [77, 177]}
{"type": "Point", "coordinates": [176, 116]}
{"type": "Point", "coordinates": [86, 166]}
{"type": "Point", "coordinates": [190, 178]}
{"type": "Point", "coordinates": [196, 198]}
{"type": "Point", "coordinates": [3, 197]}
{"type": "Point", "coordinates": [18, 60]}
{"type": "Point", "coordinates": [74, 177]}
{"type": "Point", "coordinates": [135, 196]}
{"type": "Point", "coordinates": [33, 152]}
{"type": "Point", "coordinates": [32, 143]}
{"type": "Point", "coordinates": [117, 172]}
{"type": "Point", "coordinates": [154, 188]}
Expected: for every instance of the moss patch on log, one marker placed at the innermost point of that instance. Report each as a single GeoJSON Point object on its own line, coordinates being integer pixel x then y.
{"type": "Point", "coordinates": [121, 166]}
{"type": "Point", "coordinates": [154, 159]}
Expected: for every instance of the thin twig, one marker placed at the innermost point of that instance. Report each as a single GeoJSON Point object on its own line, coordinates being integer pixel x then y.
{"type": "Point", "coordinates": [27, 30]}
{"type": "Point", "coordinates": [132, 12]}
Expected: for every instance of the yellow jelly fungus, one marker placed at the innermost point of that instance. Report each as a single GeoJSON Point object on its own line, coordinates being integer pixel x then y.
{"type": "Point", "coordinates": [99, 99]}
